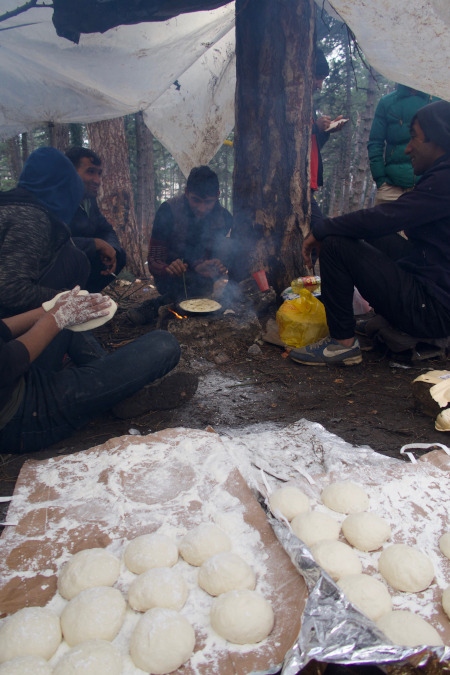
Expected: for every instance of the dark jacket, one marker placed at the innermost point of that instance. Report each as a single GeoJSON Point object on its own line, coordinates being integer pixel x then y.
{"type": "Point", "coordinates": [30, 239]}
{"type": "Point", "coordinates": [178, 234]}
{"type": "Point", "coordinates": [14, 362]}
{"type": "Point", "coordinates": [389, 136]}
{"type": "Point", "coordinates": [423, 214]}
{"type": "Point", "coordinates": [89, 223]}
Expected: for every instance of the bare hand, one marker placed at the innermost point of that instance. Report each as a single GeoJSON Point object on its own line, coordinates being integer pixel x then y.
{"type": "Point", "coordinates": [176, 268]}
{"type": "Point", "coordinates": [72, 309]}
{"type": "Point", "coordinates": [211, 268]}
{"type": "Point", "coordinates": [310, 244]}
{"type": "Point", "coordinates": [323, 122]}
{"type": "Point", "coordinates": [107, 256]}
{"type": "Point", "coordinates": [339, 126]}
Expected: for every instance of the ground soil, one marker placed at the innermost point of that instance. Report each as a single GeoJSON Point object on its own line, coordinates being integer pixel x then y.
{"type": "Point", "coordinates": [370, 404]}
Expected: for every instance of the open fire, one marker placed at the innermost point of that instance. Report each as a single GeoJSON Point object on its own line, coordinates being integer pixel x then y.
{"type": "Point", "coordinates": [177, 315]}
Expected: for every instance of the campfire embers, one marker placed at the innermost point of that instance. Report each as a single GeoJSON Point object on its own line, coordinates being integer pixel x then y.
{"type": "Point", "coordinates": [178, 316]}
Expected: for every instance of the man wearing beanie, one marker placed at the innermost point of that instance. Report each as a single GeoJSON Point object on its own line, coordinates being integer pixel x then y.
{"type": "Point", "coordinates": [407, 282]}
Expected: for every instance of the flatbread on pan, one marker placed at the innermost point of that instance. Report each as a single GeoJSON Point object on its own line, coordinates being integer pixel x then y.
{"type": "Point", "coordinates": [200, 305]}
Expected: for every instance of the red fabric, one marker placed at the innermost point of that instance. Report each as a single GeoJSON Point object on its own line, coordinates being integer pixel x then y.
{"type": "Point", "coordinates": [314, 167]}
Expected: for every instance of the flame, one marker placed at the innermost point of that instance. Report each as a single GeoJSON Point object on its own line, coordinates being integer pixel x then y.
{"type": "Point", "coordinates": [177, 315]}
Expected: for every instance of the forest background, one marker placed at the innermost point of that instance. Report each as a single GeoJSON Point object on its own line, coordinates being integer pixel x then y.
{"type": "Point", "coordinates": [139, 173]}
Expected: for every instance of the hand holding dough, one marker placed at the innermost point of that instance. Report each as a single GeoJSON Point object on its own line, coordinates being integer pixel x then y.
{"type": "Point", "coordinates": [77, 310]}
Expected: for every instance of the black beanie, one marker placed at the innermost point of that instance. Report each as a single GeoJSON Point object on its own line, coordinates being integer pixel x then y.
{"type": "Point", "coordinates": [434, 120]}
{"type": "Point", "coordinates": [322, 69]}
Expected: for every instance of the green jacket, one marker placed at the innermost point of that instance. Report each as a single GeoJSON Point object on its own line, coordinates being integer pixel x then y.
{"type": "Point", "coordinates": [389, 136]}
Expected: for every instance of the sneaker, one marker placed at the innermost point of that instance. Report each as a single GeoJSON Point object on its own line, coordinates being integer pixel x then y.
{"type": "Point", "coordinates": [164, 394]}
{"type": "Point", "coordinates": [327, 351]}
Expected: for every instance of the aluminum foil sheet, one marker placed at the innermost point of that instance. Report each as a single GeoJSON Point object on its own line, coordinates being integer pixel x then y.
{"type": "Point", "coordinates": [332, 629]}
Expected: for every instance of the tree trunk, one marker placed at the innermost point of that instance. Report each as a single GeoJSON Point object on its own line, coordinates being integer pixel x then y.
{"type": "Point", "coordinates": [362, 177]}
{"type": "Point", "coordinates": [116, 201]}
{"type": "Point", "coordinates": [274, 62]}
{"type": "Point", "coordinates": [145, 194]}
{"type": "Point", "coordinates": [14, 157]}
{"type": "Point", "coordinates": [346, 138]}
{"type": "Point", "coordinates": [59, 136]}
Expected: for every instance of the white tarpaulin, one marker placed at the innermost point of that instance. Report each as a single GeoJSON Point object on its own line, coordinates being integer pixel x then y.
{"type": "Point", "coordinates": [181, 72]}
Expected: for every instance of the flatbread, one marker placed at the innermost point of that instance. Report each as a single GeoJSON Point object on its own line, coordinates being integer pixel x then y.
{"type": "Point", "coordinates": [87, 325]}
{"type": "Point", "coordinates": [200, 305]}
{"type": "Point", "coordinates": [336, 123]}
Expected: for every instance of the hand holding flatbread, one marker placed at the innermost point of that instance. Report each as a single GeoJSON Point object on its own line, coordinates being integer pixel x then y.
{"type": "Point", "coordinates": [79, 310]}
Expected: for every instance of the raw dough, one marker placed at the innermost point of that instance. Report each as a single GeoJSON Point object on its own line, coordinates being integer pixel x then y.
{"type": "Point", "coordinates": [408, 630]}
{"type": "Point", "coordinates": [86, 569]}
{"type": "Point", "coordinates": [446, 601]}
{"type": "Point", "coordinates": [87, 325]}
{"type": "Point", "coordinates": [444, 544]}
{"type": "Point", "coordinates": [162, 641]}
{"type": "Point", "coordinates": [242, 617]}
{"type": "Point", "coordinates": [366, 531]}
{"type": "Point", "coordinates": [32, 631]}
{"type": "Point", "coordinates": [367, 594]}
{"type": "Point", "coordinates": [345, 497]}
{"type": "Point", "coordinates": [202, 542]}
{"type": "Point", "coordinates": [314, 526]}
{"type": "Point", "coordinates": [225, 572]}
{"type": "Point", "coordinates": [26, 665]}
{"type": "Point", "coordinates": [406, 568]}
{"type": "Point", "coordinates": [158, 587]}
{"type": "Point", "coordinates": [289, 500]}
{"type": "Point", "coordinates": [336, 558]}
{"type": "Point", "coordinates": [94, 614]}
{"type": "Point", "coordinates": [95, 657]}
{"type": "Point", "coordinates": [150, 550]}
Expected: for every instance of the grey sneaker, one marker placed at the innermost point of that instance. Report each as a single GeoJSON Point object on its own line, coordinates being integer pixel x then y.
{"type": "Point", "coordinates": [170, 392]}
{"type": "Point", "coordinates": [327, 351]}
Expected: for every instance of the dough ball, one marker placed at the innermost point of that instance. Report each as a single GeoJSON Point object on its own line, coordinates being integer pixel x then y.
{"type": "Point", "coordinates": [159, 587]}
{"type": "Point", "coordinates": [444, 544]}
{"type": "Point", "coordinates": [32, 631]}
{"type": "Point", "coordinates": [202, 542]}
{"type": "Point", "coordinates": [406, 568]}
{"type": "Point", "coordinates": [26, 665]}
{"type": "Point", "coordinates": [150, 550]}
{"type": "Point", "coordinates": [96, 657]}
{"type": "Point", "coordinates": [367, 594]}
{"type": "Point", "coordinates": [408, 630]}
{"type": "Point", "coordinates": [336, 558]}
{"type": "Point", "coordinates": [446, 601]}
{"type": "Point", "coordinates": [86, 569]}
{"type": "Point", "coordinates": [314, 526]}
{"type": "Point", "coordinates": [94, 614]}
{"type": "Point", "coordinates": [242, 617]}
{"type": "Point", "coordinates": [225, 572]}
{"type": "Point", "coordinates": [345, 497]}
{"type": "Point", "coordinates": [289, 500]}
{"type": "Point", "coordinates": [162, 641]}
{"type": "Point", "coordinates": [366, 531]}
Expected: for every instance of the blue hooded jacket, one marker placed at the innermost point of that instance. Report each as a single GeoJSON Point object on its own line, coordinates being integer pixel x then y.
{"type": "Point", "coordinates": [53, 181]}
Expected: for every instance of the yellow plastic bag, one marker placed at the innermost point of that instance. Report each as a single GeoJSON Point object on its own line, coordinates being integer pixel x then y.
{"type": "Point", "coordinates": [302, 321]}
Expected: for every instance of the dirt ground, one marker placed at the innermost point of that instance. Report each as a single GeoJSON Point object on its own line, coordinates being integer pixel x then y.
{"type": "Point", "coordinates": [370, 404]}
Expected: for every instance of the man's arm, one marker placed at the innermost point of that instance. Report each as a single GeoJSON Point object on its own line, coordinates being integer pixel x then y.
{"type": "Point", "coordinates": [376, 144]}
{"type": "Point", "coordinates": [159, 257]}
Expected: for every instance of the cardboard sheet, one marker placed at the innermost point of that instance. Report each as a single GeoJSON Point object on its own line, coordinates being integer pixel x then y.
{"type": "Point", "coordinates": [105, 496]}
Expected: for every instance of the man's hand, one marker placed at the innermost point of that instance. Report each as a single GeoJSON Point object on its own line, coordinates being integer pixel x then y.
{"type": "Point", "coordinates": [310, 244]}
{"type": "Point", "coordinates": [176, 268]}
{"type": "Point", "coordinates": [338, 123]}
{"type": "Point", "coordinates": [72, 309]}
{"type": "Point", "coordinates": [323, 122]}
{"type": "Point", "coordinates": [107, 256]}
{"type": "Point", "coordinates": [213, 269]}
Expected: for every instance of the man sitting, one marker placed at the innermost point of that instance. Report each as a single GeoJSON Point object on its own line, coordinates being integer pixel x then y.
{"type": "Point", "coordinates": [91, 231]}
{"type": "Point", "coordinates": [405, 281]}
{"type": "Point", "coordinates": [189, 248]}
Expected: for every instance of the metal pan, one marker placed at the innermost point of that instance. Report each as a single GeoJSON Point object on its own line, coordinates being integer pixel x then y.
{"type": "Point", "coordinates": [198, 306]}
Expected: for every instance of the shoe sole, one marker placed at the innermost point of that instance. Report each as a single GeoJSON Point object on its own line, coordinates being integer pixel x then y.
{"type": "Point", "coordinates": [171, 392]}
{"type": "Point", "coordinates": [351, 361]}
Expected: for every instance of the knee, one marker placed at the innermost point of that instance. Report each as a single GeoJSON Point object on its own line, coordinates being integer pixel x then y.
{"type": "Point", "coordinates": [163, 345]}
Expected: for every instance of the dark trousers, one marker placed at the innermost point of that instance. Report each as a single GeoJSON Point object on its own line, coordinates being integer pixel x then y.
{"type": "Point", "coordinates": [98, 281]}
{"type": "Point", "coordinates": [393, 293]}
{"type": "Point", "coordinates": [70, 267]}
{"type": "Point", "coordinates": [57, 403]}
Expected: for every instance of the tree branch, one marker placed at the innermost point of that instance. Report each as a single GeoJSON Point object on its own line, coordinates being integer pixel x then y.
{"type": "Point", "coordinates": [20, 10]}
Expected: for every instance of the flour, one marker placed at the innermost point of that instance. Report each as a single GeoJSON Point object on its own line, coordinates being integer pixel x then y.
{"type": "Point", "coordinates": [123, 490]}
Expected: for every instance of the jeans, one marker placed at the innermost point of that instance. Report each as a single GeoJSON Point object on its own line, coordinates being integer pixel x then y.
{"type": "Point", "coordinates": [55, 404]}
{"type": "Point", "coordinates": [394, 293]}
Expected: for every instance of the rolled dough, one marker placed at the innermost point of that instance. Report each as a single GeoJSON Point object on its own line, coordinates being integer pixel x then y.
{"type": "Point", "coordinates": [87, 325]}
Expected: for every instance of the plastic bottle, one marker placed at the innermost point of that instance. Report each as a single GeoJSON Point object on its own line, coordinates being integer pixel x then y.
{"type": "Point", "coordinates": [312, 284]}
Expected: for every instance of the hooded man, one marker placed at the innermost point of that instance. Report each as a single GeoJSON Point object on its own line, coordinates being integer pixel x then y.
{"type": "Point", "coordinates": [406, 281]}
